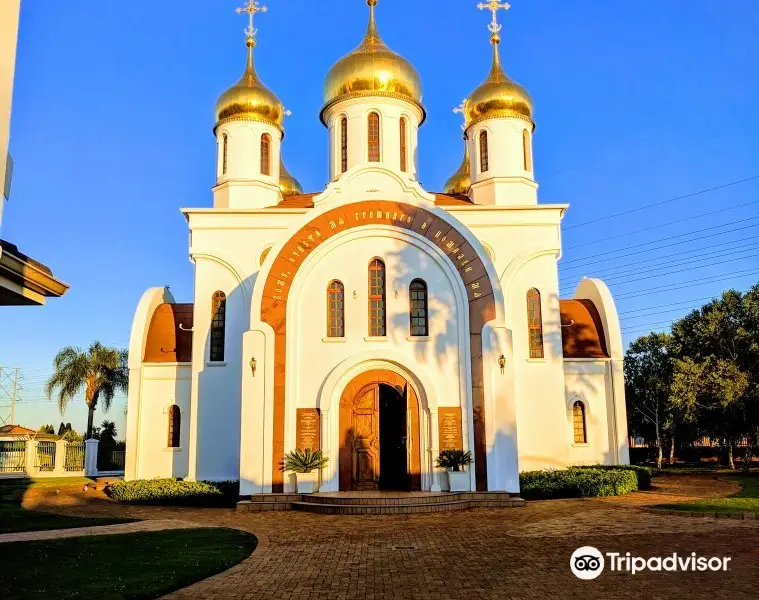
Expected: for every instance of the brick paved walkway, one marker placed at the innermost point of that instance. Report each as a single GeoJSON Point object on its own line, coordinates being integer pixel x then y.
{"type": "Point", "coordinates": [137, 527]}
{"type": "Point", "coordinates": [499, 553]}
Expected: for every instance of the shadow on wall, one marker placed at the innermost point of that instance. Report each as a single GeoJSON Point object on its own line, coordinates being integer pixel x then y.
{"type": "Point", "coordinates": [219, 394]}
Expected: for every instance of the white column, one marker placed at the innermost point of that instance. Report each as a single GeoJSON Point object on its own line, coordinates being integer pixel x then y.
{"type": "Point", "coordinates": [326, 447]}
{"type": "Point", "coordinates": [434, 450]}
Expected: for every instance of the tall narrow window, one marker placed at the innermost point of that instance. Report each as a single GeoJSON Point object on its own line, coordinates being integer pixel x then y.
{"type": "Point", "coordinates": [335, 309]}
{"type": "Point", "coordinates": [224, 153]}
{"type": "Point", "coordinates": [535, 323]}
{"type": "Point", "coordinates": [175, 420]}
{"type": "Point", "coordinates": [483, 151]}
{"type": "Point", "coordinates": [374, 137]}
{"type": "Point", "coordinates": [404, 158]}
{"type": "Point", "coordinates": [377, 298]}
{"type": "Point", "coordinates": [343, 144]}
{"type": "Point", "coordinates": [578, 420]}
{"type": "Point", "coordinates": [418, 308]}
{"type": "Point", "coordinates": [218, 326]}
{"type": "Point", "coordinates": [527, 149]}
{"type": "Point", "coordinates": [265, 154]}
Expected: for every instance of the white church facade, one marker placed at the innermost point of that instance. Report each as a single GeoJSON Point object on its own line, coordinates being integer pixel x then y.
{"type": "Point", "coordinates": [376, 321]}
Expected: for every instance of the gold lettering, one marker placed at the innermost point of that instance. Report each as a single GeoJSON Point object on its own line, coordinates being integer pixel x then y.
{"type": "Point", "coordinates": [318, 233]}
{"type": "Point", "coordinates": [424, 225]}
{"type": "Point", "coordinates": [340, 221]}
{"type": "Point", "coordinates": [468, 269]}
{"type": "Point", "coordinates": [280, 283]}
{"type": "Point", "coordinates": [450, 245]}
{"type": "Point", "coordinates": [333, 225]}
{"type": "Point", "coordinates": [438, 233]}
{"type": "Point", "coordinates": [475, 286]}
{"type": "Point", "coordinates": [477, 294]}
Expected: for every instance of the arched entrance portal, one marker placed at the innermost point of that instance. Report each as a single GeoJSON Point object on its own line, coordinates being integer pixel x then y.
{"type": "Point", "coordinates": [379, 433]}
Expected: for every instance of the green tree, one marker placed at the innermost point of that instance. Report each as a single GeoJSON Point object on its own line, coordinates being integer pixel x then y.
{"type": "Point", "coordinates": [46, 429]}
{"type": "Point", "coordinates": [648, 368]}
{"type": "Point", "coordinates": [100, 371]}
{"type": "Point", "coordinates": [716, 378]}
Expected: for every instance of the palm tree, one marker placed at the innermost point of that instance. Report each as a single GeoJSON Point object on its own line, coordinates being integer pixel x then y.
{"type": "Point", "coordinates": [101, 371]}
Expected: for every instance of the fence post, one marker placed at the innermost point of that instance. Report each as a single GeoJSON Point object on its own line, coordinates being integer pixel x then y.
{"type": "Point", "coordinates": [60, 457]}
{"type": "Point", "coordinates": [91, 458]}
{"type": "Point", "coordinates": [31, 454]}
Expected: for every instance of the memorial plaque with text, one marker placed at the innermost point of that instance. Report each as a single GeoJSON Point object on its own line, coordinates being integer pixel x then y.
{"type": "Point", "coordinates": [307, 431]}
{"type": "Point", "coordinates": [449, 426]}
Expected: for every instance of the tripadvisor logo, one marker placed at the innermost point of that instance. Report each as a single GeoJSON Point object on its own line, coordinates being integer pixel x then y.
{"type": "Point", "coordinates": [588, 562]}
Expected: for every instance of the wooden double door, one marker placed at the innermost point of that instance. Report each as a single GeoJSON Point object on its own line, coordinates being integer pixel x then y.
{"type": "Point", "coordinates": [379, 446]}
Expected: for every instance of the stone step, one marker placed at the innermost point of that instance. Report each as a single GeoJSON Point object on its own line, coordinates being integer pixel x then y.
{"type": "Point", "coordinates": [394, 509]}
{"type": "Point", "coordinates": [381, 500]}
{"type": "Point", "coordinates": [248, 506]}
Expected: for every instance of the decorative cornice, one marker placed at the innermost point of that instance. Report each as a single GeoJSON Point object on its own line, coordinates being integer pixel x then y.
{"type": "Point", "coordinates": [250, 119]}
{"type": "Point", "coordinates": [501, 115]}
{"type": "Point", "coordinates": [373, 94]}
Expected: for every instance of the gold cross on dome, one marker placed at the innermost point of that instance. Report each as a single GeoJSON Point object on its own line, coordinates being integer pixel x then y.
{"type": "Point", "coordinates": [494, 6]}
{"type": "Point", "coordinates": [251, 7]}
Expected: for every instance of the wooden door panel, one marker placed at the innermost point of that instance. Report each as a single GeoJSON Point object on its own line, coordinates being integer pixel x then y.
{"type": "Point", "coordinates": [365, 427]}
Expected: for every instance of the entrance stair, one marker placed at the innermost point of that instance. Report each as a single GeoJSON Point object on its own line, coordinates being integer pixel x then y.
{"type": "Point", "coordinates": [379, 503]}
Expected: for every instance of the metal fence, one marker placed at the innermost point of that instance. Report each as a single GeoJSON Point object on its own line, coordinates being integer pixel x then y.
{"type": "Point", "coordinates": [44, 458]}
{"type": "Point", "coordinates": [13, 457]}
{"type": "Point", "coordinates": [111, 460]}
{"type": "Point", "coordinates": [74, 459]}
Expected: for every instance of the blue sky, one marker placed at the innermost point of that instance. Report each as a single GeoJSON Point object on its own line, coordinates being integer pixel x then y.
{"type": "Point", "coordinates": [635, 103]}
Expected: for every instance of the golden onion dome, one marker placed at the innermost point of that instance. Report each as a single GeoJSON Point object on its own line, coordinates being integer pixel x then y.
{"type": "Point", "coordinates": [288, 185]}
{"type": "Point", "coordinates": [372, 69]}
{"type": "Point", "coordinates": [459, 182]}
{"type": "Point", "coordinates": [249, 99]}
{"type": "Point", "coordinates": [498, 96]}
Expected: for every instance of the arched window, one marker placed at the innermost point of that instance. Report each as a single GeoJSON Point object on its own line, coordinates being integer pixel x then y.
{"type": "Point", "coordinates": [374, 137]}
{"type": "Point", "coordinates": [377, 298]}
{"type": "Point", "coordinates": [343, 144]}
{"type": "Point", "coordinates": [578, 421]}
{"type": "Point", "coordinates": [527, 149]}
{"type": "Point", "coordinates": [535, 323]}
{"type": "Point", "coordinates": [265, 154]}
{"type": "Point", "coordinates": [404, 158]}
{"type": "Point", "coordinates": [224, 153]}
{"type": "Point", "coordinates": [418, 307]}
{"type": "Point", "coordinates": [483, 151]}
{"type": "Point", "coordinates": [218, 325]}
{"type": "Point", "coordinates": [175, 420]}
{"type": "Point", "coordinates": [335, 309]}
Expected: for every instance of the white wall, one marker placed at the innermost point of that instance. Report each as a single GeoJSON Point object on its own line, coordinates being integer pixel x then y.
{"type": "Point", "coordinates": [162, 385]}
{"type": "Point", "coordinates": [9, 15]}
{"type": "Point", "coordinates": [357, 112]}
{"type": "Point", "coordinates": [587, 381]}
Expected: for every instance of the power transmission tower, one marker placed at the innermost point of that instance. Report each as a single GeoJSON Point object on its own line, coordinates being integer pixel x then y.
{"type": "Point", "coordinates": [9, 387]}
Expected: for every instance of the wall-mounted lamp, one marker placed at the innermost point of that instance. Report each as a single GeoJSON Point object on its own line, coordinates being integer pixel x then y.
{"type": "Point", "coordinates": [253, 364]}
{"type": "Point", "coordinates": [355, 294]}
{"type": "Point", "coordinates": [502, 363]}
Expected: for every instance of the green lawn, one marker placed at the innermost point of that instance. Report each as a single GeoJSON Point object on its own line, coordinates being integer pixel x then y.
{"type": "Point", "coordinates": [13, 518]}
{"type": "Point", "coordinates": [134, 565]}
{"type": "Point", "coordinates": [747, 500]}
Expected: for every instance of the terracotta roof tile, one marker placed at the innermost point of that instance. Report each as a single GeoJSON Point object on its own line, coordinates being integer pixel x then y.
{"type": "Point", "coordinates": [582, 333]}
{"type": "Point", "coordinates": [166, 341]}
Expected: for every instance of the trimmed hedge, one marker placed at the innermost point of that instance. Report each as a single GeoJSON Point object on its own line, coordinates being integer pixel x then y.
{"type": "Point", "coordinates": [642, 473]}
{"type": "Point", "coordinates": [577, 482]}
{"type": "Point", "coordinates": [174, 491]}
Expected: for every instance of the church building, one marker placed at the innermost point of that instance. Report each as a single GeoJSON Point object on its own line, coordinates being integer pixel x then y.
{"type": "Point", "coordinates": [375, 320]}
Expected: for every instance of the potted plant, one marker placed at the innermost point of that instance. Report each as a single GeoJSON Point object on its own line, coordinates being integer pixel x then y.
{"type": "Point", "coordinates": [454, 462]}
{"type": "Point", "coordinates": [305, 464]}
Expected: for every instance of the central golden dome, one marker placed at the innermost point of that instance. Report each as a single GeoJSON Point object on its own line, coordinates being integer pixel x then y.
{"type": "Point", "coordinates": [249, 99]}
{"type": "Point", "coordinates": [372, 69]}
{"type": "Point", "coordinates": [498, 96]}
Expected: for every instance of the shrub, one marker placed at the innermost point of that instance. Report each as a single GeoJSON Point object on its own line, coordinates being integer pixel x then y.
{"type": "Point", "coordinates": [454, 460]}
{"type": "Point", "coordinates": [642, 473]}
{"type": "Point", "coordinates": [304, 461]}
{"type": "Point", "coordinates": [577, 483]}
{"type": "Point", "coordinates": [168, 491]}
